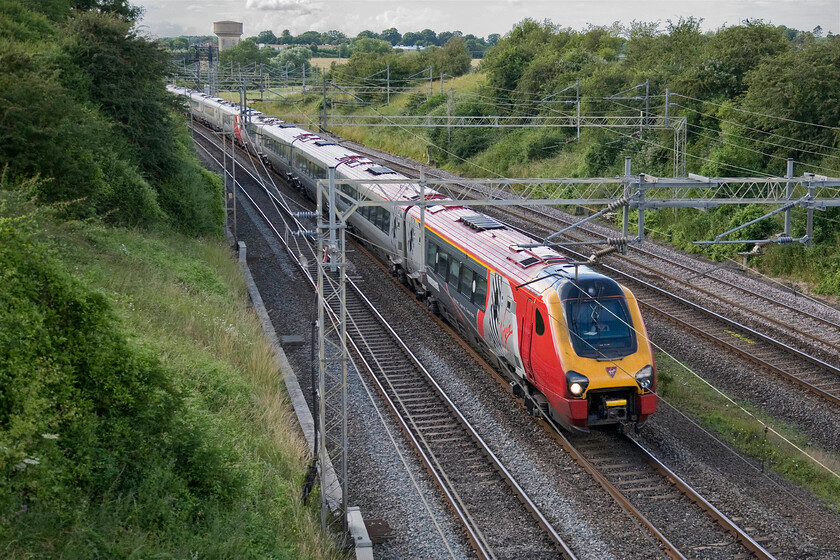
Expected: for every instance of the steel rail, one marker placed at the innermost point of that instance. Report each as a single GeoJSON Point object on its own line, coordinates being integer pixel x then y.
{"type": "Point", "coordinates": [508, 477]}
{"type": "Point", "coordinates": [670, 549]}
{"type": "Point", "coordinates": [745, 539]}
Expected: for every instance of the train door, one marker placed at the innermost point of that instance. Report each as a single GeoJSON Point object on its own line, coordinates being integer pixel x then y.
{"type": "Point", "coordinates": [525, 342]}
{"type": "Point", "coordinates": [414, 248]}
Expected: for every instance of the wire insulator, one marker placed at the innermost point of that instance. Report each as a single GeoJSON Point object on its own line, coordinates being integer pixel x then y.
{"type": "Point", "coordinates": [602, 253]}
{"type": "Point", "coordinates": [785, 239]}
{"type": "Point", "coordinates": [619, 243]}
{"type": "Point", "coordinates": [616, 204]}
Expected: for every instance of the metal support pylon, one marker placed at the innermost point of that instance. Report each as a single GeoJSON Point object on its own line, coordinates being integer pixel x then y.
{"type": "Point", "coordinates": [680, 131]}
{"type": "Point", "coordinates": [333, 358]}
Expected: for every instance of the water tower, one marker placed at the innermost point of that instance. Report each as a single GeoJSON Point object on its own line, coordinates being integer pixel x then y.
{"type": "Point", "coordinates": [228, 32]}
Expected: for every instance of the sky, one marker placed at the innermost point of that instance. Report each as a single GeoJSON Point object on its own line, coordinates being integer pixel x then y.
{"type": "Point", "coordinates": [170, 18]}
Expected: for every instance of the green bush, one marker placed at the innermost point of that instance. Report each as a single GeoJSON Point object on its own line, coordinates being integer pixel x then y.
{"type": "Point", "coordinates": [86, 417]}
{"type": "Point", "coordinates": [84, 106]}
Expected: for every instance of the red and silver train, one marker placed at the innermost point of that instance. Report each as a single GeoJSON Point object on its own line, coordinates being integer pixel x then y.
{"type": "Point", "coordinates": [571, 341]}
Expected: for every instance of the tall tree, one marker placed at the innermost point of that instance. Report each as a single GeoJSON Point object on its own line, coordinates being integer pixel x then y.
{"type": "Point", "coordinates": [452, 59]}
{"type": "Point", "coordinates": [788, 96]}
{"type": "Point", "coordinates": [125, 72]}
{"type": "Point", "coordinates": [427, 38]}
{"type": "Point", "coordinates": [391, 35]}
{"type": "Point", "coordinates": [410, 39]}
{"type": "Point", "coordinates": [244, 53]}
{"type": "Point", "coordinates": [266, 37]}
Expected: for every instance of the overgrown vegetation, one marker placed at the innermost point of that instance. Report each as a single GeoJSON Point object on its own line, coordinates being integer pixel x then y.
{"type": "Point", "coordinates": [733, 86]}
{"type": "Point", "coordinates": [141, 412]}
{"type": "Point", "coordinates": [83, 104]}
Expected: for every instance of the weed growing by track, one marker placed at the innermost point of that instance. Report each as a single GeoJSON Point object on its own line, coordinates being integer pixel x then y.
{"type": "Point", "coordinates": [747, 433]}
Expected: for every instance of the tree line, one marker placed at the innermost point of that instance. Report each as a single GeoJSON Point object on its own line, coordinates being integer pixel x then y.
{"type": "Point", "coordinates": [425, 38]}
{"type": "Point", "coordinates": [335, 43]}
{"type": "Point", "coordinates": [753, 94]}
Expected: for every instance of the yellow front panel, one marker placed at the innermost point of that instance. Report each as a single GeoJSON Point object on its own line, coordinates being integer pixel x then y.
{"type": "Point", "coordinates": [597, 370]}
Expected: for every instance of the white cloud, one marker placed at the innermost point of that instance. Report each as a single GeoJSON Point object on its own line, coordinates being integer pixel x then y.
{"type": "Point", "coordinates": [294, 6]}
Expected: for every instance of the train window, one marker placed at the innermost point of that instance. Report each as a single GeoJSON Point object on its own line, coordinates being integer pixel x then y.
{"type": "Point", "coordinates": [442, 264]}
{"type": "Point", "coordinates": [539, 323]}
{"type": "Point", "coordinates": [431, 254]}
{"type": "Point", "coordinates": [465, 287]}
{"type": "Point", "coordinates": [480, 293]}
{"type": "Point", "coordinates": [381, 218]}
{"type": "Point", "coordinates": [454, 271]}
{"type": "Point", "coordinates": [600, 327]}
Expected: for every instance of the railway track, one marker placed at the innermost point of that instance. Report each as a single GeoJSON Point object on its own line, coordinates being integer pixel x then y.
{"type": "Point", "coordinates": [499, 519]}
{"type": "Point", "coordinates": [650, 491]}
{"type": "Point", "coordinates": [482, 492]}
{"type": "Point", "coordinates": [478, 487]}
{"type": "Point", "coordinates": [670, 289]}
{"type": "Point", "coordinates": [443, 437]}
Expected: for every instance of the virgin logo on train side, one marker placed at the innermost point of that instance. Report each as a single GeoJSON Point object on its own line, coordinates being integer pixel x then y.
{"type": "Point", "coordinates": [611, 371]}
{"type": "Point", "coordinates": [507, 331]}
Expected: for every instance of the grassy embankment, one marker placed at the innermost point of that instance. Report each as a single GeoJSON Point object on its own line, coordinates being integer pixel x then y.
{"type": "Point", "coordinates": [156, 425]}
{"type": "Point", "coordinates": [513, 155]}
{"type": "Point", "coordinates": [743, 425]}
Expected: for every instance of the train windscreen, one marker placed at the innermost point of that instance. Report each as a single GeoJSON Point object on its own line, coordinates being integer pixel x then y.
{"type": "Point", "coordinates": [600, 328]}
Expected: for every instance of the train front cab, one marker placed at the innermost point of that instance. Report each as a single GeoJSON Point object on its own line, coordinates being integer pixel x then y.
{"type": "Point", "coordinates": [607, 374]}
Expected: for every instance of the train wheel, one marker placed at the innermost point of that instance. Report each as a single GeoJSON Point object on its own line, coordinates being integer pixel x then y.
{"type": "Point", "coordinates": [432, 305]}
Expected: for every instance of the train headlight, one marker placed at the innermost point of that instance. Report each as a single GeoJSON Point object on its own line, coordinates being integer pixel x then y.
{"type": "Point", "coordinates": [644, 377]}
{"type": "Point", "coordinates": [576, 383]}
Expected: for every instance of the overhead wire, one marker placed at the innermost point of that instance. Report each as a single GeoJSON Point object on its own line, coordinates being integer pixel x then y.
{"type": "Point", "coordinates": [724, 142]}
{"type": "Point", "coordinates": [720, 133]}
{"type": "Point", "coordinates": [765, 115]}
{"type": "Point", "coordinates": [760, 131]}
{"type": "Point", "coordinates": [640, 138]}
